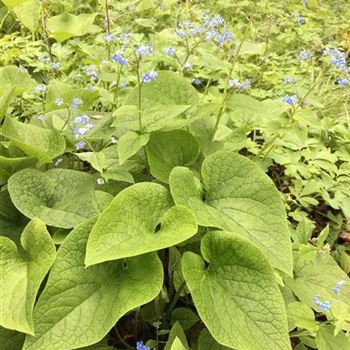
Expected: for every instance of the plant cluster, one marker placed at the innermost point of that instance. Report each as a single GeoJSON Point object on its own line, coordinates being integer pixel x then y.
{"type": "Point", "coordinates": [175, 175]}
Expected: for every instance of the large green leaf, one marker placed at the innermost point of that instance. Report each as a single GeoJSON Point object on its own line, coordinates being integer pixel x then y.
{"type": "Point", "coordinates": [238, 197]}
{"type": "Point", "coordinates": [14, 77]}
{"type": "Point", "coordinates": [129, 144]}
{"type": "Point", "coordinates": [317, 273]}
{"type": "Point", "coordinates": [169, 89]}
{"type": "Point", "coordinates": [28, 12]}
{"type": "Point", "coordinates": [57, 89]}
{"type": "Point", "coordinates": [40, 143]}
{"type": "Point", "coordinates": [176, 332]}
{"type": "Point", "coordinates": [166, 150]}
{"type": "Point", "coordinates": [60, 197]}
{"type": "Point", "coordinates": [128, 226]}
{"type": "Point", "coordinates": [66, 25]}
{"type": "Point", "coordinates": [10, 165]}
{"type": "Point", "coordinates": [21, 273]}
{"type": "Point", "coordinates": [237, 296]}
{"type": "Point", "coordinates": [326, 340]}
{"type": "Point", "coordinates": [207, 342]}
{"type": "Point", "coordinates": [80, 305]}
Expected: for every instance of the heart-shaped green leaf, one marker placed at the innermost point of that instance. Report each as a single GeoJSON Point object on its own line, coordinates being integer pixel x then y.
{"type": "Point", "coordinates": [66, 25]}
{"type": "Point", "coordinates": [80, 305]}
{"type": "Point", "coordinates": [10, 165]}
{"type": "Point", "coordinates": [239, 197]}
{"type": "Point", "coordinates": [127, 227]}
{"type": "Point", "coordinates": [40, 143]}
{"type": "Point", "coordinates": [166, 150]}
{"type": "Point", "coordinates": [14, 77]}
{"type": "Point", "coordinates": [237, 296]}
{"type": "Point", "coordinates": [22, 271]}
{"type": "Point", "coordinates": [60, 197]}
{"type": "Point", "coordinates": [129, 144]}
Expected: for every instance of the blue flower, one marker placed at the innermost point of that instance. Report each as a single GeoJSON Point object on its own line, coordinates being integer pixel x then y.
{"type": "Point", "coordinates": [216, 22]}
{"type": "Point", "coordinates": [343, 82]}
{"type": "Point", "coordinates": [141, 346]}
{"type": "Point", "coordinates": [323, 305]}
{"type": "Point", "coordinates": [225, 37]}
{"type": "Point", "coordinates": [336, 289]}
{"type": "Point", "coordinates": [41, 117]}
{"type": "Point", "coordinates": [305, 55]}
{"type": "Point", "coordinates": [91, 72]}
{"type": "Point", "coordinates": [59, 101]}
{"type": "Point", "coordinates": [289, 80]}
{"type": "Point", "coordinates": [80, 145]}
{"type": "Point", "coordinates": [290, 100]}
{"type": "Point", "coordinates": [188, 66]}
{"type": "Point", "coordinates": [211, 35]}
{"type": "Point", "coordinates": [81, 120]}
{"type": "Point", "coordinates": [153, 74]}
{"type": "Point", "coordinates": [300, 19]}
{"type": "Point", "coordinates": [169, 51]}
{"type": "Point", "coordinates": [100, 181]}
{"type": "Point", "coordinates": [240, 85]}
{"type": "Point", "coordinates": [40, 88]}
{"type": "Point", "coordinates": [337, 58]}
{"type": "Point", "coordinates": [108, 37]}
{"type": "Point", "coordinates": [123, 36]}
{"type": "Point", "coordinates": [119, 58]}
{"type": "Point", "coordinates": [197, 81]}
{"type": "Point", "coordinates": [180, 33]}
{"type": "Point", "coordinates": [123, 84]}
{"type": "Point", "coordinates": [143, 50]}
{"type": "Point", "coordinates": [76, 102]}
{"type": "Point", "coordinates": [56, 66]}
{"type": "Point", "coordinates": [89, 88]}
{"type": "Point", "coordinates": [148, 77]}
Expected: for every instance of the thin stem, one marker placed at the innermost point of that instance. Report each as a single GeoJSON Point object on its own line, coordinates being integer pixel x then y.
{"type": "Point", "coordinates": [116, 92]}
{"type": "Point", "coordinates": [139, 85]}
{"type": "Point", "coordinates": [226, 92]}
{"type": "Point", "coordinates": [122, 340]}
{"type": "Point", "coordinates": [108, 29]}
{"type": "Point", "coordinates": [67, 120]}
{"type": "Point", "coordinates": [4, 19]}
{"type": "Point", "coordinates": [175, 300]}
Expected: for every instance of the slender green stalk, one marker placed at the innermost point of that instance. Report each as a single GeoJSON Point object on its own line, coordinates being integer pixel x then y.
{"type": "Point", "coordinates": [44, 26]}
{"type": "Point", "coordinates": [108, 29]}
{"type": "Point", "coordinates": [4, 19]}
{"type": "Point", "coordinates": [139, 85]}
{"type": "Point", "coordinates": [234, 58]}
{"type": "Point", "coordinates": [175, 300]}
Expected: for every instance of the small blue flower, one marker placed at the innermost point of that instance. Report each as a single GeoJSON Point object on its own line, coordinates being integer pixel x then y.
{"type": "Point", "coordinates": [188, 66]}
{"type": "Point", "coordinates": [58, 161]}
{"type": "Point", "coordinates": [143, 50]}
{"type": "Point", "coordinates": [40, 88]}
{"type": "Point", "coordinates": [300, 19]}
{"type": "Point", "coordinates": [80, 145]}
{"type": "Point", "coordinates": [100, 181]}
{"type": "Point", "coordinates": [225, 37]}
{"type": "Point", "coordinates": [81, 120]}
{"type": "Point", "coordinates": [290, 100]}
{"type": "Point", "coordinates": [119, 58]}
{"type": "Point", "coordinates": [89, 88]}
{"type": "Point", "coordinates": [141, 346]}
{"type": "Point", "coordinates": [289, 80]}
{"type": "Point", "coordinates": [56, 66]}
{"type": "Point", "coordinates": [216, 22]}
{"type": "Point", "coordinates": [169, 51]}
{"type": "Point", "coordinates": [146, 78]}
{"type": "Point", "coordinates": [336, 289]}
{"type": "Point", "coordinates": [241, 86]}
{"type": "Point", "coordinates": [305, 55]}
{"type": "Point", "coordinates": [196, 82]}
{"type": "Point", "coordinates": [41, 117]}
{"type": "Point", "coordinates": [91, 72]}
{"type": "Point", "coordinates": [180, 33]}
{"type": "Point", "coordinates": [108, 37]}
{"type": "Point", "coordinates": [123, 36]}
{"type": "Point", "coordinates": [323, 305]}
{"type": "Point", "coordinates": [153, 74]}
{"type": "Point", "coordinates": [211, 35]}
{"type": "Point", "coordinates": [59, 101]}
{"type": "Point", "coordinates": [76, 103]}
{"type": "Point", "coordinates": [343, 82]}
{"type": "Point", "coordinates": [123, 84]}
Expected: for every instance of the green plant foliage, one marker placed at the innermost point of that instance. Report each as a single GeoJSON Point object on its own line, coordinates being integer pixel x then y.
{"type": "Point", "coordinates": [167, 150]}
{"type": "Point", "coordinates": [26, 267]}
{"type": "Point", "coordinates": [237, 195]}
{"type": "Point", "coordinates": [42, 144]}
{"type": "Point", "coordinates": [59, 197]}
{"type": "Point", "coordinates": [127, 227]}
{"type": "Point", "coordinates": [230, 294]}
{"type": "Point", "coordinates": [110, 290]}
{"type": "Point", "coordinates": [187, 166]}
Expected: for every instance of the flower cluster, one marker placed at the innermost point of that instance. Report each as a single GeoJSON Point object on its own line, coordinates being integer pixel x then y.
{"type": "Point", "coordinates": [337, 58]}
{"type": "Point", "coordinates": [118, 57]}
{"type": "Point", "coordinates": [59, 101]}
{"type": "Point", "coordinates": [91, 72]}
{"type": "Point", "coordinates": [169, 51]}
{"type": "Point", "coordinates": [336, 289]}
{"type": "Point", "coordinates": [324, 305]}
{"type": "Point", "coordinates": [141, 346]}
{"type": "Point", "coordinates": [76, 103]}
{"type": "Point", "coordinates": [289, 80]}
{"type": "Point", "coordinates": [40, 88]}
{"type": "Point", "coordinates": [343, 82]}
{"type": "Point", "coordinates": [300, 19]}
{"type": "Point", "coordinates": [82, 127]}
{"type": "Point", "coordinates": [290, 100]}
{"type": "Point", "coordinates": [143, 50]}
{"type": "Point", "coordinates": [149, 76]}
{"type": "Point", "coordinates": [56, 66]}
{"type": "Point", "coordinates": [240, 85]}
{"type": "Point", "coordinates": [108, 37]}
{"type": "Point", "coordinates": [305, 55]}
